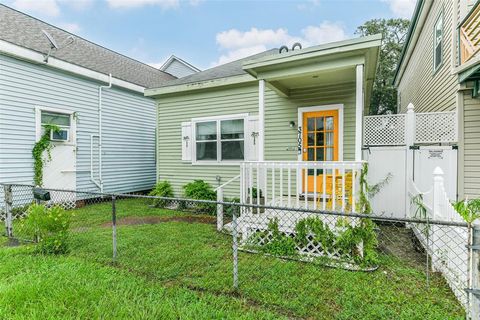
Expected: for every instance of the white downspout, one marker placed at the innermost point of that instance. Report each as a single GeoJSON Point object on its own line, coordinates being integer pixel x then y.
{"type": "Point", "coordinates": [100, 156]}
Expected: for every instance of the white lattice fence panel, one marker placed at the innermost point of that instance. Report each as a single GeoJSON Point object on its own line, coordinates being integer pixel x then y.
{"type": "Point", "coordinates": [384, 130]}
{"type": "Point", "coordinates": [436, 127]}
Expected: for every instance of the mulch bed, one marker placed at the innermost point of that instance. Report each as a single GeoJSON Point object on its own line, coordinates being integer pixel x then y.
{"type": "Point", "coordinates": [133, 221]}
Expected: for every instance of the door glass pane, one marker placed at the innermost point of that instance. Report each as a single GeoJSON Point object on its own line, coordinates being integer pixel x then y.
{"type": "Point", "coordinates": [329, 121]}
{"type": "Point", "coordinates": [329, 140]}
{"type": "Point", "coordinates": [232, 129]}
{"type": "Point", "coordinates": [320, 124]}
{"type": "Point", "coordinates": [232, 150]}
{"type": "Point", "coordinates": [207, 151]}
{"type": "Point", "coordinates": [310, 124]}
{"type": "Point", "coordinates": [320, 139]}
{"type": "Point", "coordinates": [320, 154]}
{"type": "Point", "coordinates": [311, 139]}
{"type": "Point", "coordinates": [207, 130]}
{"type": "Point", "coordinates": [55, 118]}
{"type": "Point", "coordinates": [311, 154]}
{"type": "Point", "coordinates": [329, 156]}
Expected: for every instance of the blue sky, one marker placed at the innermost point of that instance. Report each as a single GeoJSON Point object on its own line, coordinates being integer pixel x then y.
{"type": "Point", "coordinates": [207, 32]}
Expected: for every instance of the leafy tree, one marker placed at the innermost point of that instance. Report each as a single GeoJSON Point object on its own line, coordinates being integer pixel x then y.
{"type": "Point", "coordinates": [394, 31]}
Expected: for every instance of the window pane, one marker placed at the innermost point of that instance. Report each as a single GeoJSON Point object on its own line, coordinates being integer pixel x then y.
{"type": "Point", "coordinates": [232, 129]}
{"type": "Point", "coordinates": [320, 154]}
{"type": "Point", "coordinates": [329, 123]}
{"type": "Point", "coordinates": [232, 150]}
{"type": "Point", "coordinates": [329, 154]}
{"type": "Point", "coordinates": [320, 139]}
{"type": "Point", "coordinates": [320, 124]}
{"type": "Point", "coordinates": [329, 139]}
{"type": "Point", "coordinates": [207, 151]}
{"type": "Point", "coordinates": [206, 130]}
{"type": "Point", "coordinates": [60, 135]}
{"type": "Point", "coordinates": [55, 118]}
{"type": "Point", "coordinates": [438, 55]}
{"type": "Point", "coordinates": [311, 154]}
{"type": "Point", "coordinates": [311, 124]}
{"type": "Point", "coordinates": [311, 139]}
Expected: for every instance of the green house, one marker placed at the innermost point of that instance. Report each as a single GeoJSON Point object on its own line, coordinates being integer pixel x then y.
{"type": "Point", "coordinates": [289, 119]}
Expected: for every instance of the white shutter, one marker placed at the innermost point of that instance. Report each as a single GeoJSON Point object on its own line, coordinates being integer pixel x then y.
{"type": "Point", "coordinates": [187, 141]}
{"type": "Point", "coordinates": [251, 139]}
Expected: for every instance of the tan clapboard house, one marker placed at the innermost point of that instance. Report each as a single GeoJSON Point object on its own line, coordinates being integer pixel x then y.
{"type": "Point", "coordinates": [440, 71]}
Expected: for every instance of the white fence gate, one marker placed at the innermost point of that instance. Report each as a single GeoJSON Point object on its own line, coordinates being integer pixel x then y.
{"type": "Point", "coordinates": [407, 147]}
{"type": "Point", "coordinates": [389, 162]}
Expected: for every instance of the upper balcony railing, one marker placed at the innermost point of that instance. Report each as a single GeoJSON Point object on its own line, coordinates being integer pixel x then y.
{"type": "Point", "coordinates": [469, 35]}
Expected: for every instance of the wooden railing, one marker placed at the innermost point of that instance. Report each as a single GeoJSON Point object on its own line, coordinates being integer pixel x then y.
{"type": "Point", "coordinates": [330, 185]}
{"type": "Point", "coordinates": [469, 35]}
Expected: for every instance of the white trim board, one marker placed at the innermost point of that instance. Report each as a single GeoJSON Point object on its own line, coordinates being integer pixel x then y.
{"type": "Point", "coordinates": [29, 55]}
{"type": "Point", "coordinates": [338, 107]}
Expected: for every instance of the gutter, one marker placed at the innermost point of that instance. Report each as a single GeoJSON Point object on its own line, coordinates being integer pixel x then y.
{"type": "Point", "coordinates": [100, 155]}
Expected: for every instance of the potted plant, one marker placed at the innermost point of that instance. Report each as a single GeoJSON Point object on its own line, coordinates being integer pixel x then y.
{"type": "Point", "coordinates": [257, 198]}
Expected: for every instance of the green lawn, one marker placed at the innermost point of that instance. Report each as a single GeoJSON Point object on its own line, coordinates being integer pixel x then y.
{"type": "Point", "coordinates": [183, 270]}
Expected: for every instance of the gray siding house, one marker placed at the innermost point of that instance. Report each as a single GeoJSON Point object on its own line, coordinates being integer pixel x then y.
{"type": "Point", "coordinates": [95, 95]}
{"type": "Point", "coordinates": [178, 68]}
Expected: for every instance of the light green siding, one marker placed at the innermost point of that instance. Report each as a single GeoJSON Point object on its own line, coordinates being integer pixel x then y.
{"type": "Point", "coordinates": [472, 146]}
{"type": "Point", "coordinates": [174, 110]}
{"type": "Point", "coordinates": [279, 111]}
{"type": "Point", "coordinates": [431, 91]}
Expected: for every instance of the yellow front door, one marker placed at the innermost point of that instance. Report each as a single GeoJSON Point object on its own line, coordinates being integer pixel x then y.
{"type": "Point", "coordinates": [320, 143]}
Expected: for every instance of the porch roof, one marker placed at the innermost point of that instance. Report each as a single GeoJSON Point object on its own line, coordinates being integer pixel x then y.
{"type": "Point", "coordinates": [332, 63]}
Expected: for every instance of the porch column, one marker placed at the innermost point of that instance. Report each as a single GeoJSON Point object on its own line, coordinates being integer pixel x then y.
{"type": "Point", "coordinates": [358, 112]}
{"type": "Point", "coordinates": [261, 120]}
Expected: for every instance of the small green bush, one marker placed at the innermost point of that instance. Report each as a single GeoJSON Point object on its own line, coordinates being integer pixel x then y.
{"type": "Point", "coordinates": [48, 227]}
{"type": "Point", "coordinates": [230, 209]}
{"type": "Point", "coordinates": [256, 192]}
{"type": "Point", "coordinates": [201, 190]}
{"type": "Point", "coordinates": [162, 189]}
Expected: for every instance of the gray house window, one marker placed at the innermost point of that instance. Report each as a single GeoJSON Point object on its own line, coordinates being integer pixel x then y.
{"type": "Point", "coordinates": [437, 43]}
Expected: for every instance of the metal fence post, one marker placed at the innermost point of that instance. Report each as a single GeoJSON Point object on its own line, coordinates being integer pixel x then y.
{"type": "Point", "coordinates": [114, 229]}
{"type": "Point", "coordinates": [474, 283]}
{"type": "Point", "coordinates": [219, 209]}
{"type": "Point", "coordinates": [8, 210]}
{"type": "Point", "coordinates": [235, 250]}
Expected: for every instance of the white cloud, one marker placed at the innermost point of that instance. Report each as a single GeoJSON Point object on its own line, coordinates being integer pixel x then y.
{"type": "Point", "coordinates": [164, 4]}
{"type": "Point", "coordinates": [70, 27]}
{"type": "Point", "coordinates": [402, 8]}
{"type": "Point", "coordinates": [44, 7]}
{"type": "Point", "coordinates": [235, 44]}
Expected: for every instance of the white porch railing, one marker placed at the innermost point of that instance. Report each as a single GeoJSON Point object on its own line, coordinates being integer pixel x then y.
{"type": "Point", "coordinates": [329, 185]}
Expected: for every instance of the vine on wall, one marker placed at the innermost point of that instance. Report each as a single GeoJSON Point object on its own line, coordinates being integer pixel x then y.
{"type": "Point", "coordinates": [42, 145]}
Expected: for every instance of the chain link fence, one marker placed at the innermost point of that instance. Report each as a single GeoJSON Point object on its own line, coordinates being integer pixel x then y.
{"type": "Point", "coordinates": [297, 263]}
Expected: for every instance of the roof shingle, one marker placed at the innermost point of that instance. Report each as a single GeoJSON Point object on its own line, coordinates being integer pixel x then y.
{"type": "Point", "coordinates": [26, 31]}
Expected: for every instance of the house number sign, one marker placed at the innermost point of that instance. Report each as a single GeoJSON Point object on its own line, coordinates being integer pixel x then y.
{"type": "Point", "coordinates": [299, 140]}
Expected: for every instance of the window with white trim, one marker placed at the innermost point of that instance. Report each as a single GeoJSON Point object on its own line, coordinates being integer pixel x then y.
{"type": "Point", "coordinates": [220, 140]}
{"type": "Point", "coordinates": [437, 43]}
{"type": "Point", "coordinates": [61, 120]}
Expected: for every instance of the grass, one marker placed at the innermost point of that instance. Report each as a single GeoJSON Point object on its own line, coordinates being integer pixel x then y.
{"type": "Point", "coordinates": [183, 270]}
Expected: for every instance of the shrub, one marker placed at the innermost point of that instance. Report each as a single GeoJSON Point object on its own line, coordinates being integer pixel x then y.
{"type": "Point", "coordinates": [256, 192]}
{"type": "Point", "coordinates": [48, 227]}
{"type": "Point", "coordinates": [162, 189]}
{"type": "Point", "coordinates": [201, 190]}
{"type": "Point", "coordinates": [230, 209]}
